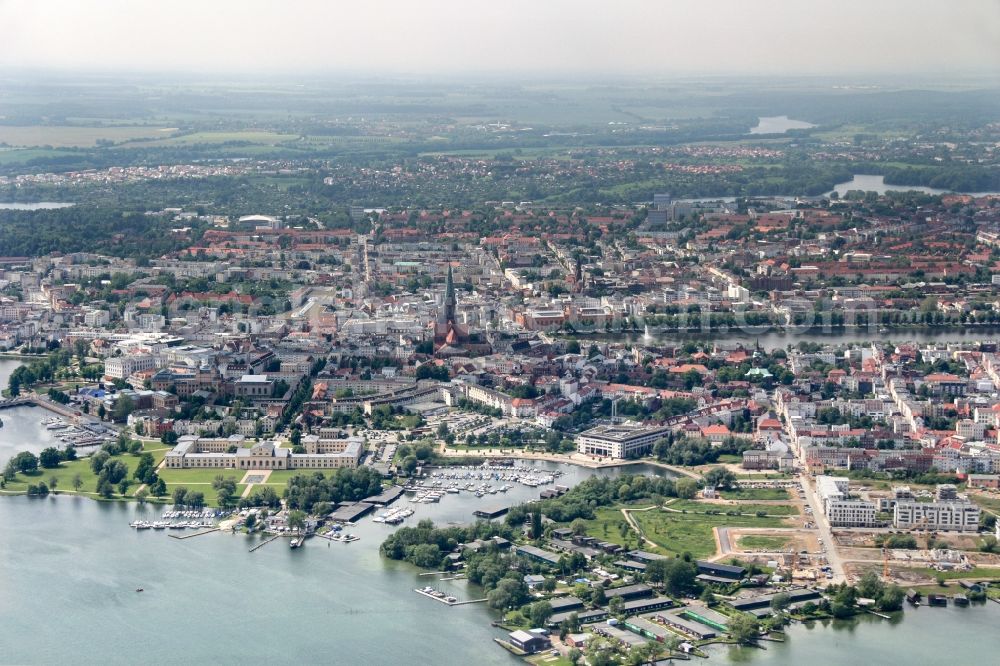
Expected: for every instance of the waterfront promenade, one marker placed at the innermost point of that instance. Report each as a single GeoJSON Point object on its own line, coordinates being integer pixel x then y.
{"type": "Point", "coordinates": [578, 459]}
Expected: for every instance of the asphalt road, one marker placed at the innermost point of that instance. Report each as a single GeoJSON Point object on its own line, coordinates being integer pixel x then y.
{"type": "Point", "coordinates": [823, 526]}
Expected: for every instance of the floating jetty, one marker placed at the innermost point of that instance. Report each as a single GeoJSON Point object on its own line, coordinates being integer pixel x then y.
{"type": "Point", "coordinates": [264, 543]}
{"type": "Point", "coordinates": [393, 516]}
{"type": "Point", "coordinates": [446, 599]}
{"type": "Point", "coordinates": [342, 538]}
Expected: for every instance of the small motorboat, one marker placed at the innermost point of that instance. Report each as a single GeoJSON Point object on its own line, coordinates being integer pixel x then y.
{"type": "Point", "coordinates": [139, 589]}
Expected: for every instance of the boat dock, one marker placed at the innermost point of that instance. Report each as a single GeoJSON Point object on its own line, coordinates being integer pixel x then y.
{"type": "Point", "coordinates": [351, 512]}
{"type": "Point", "coordinates": [491, 512]}
{"type": "Point", "coordinates": [431, 593]}
{"type": "Point", "coordinates": [341, 538]}
{"type": "Point", "coordinates": [264, 543]}
{"type": "Point", "coordinates": [388, 496]}
{"type": "Point", "coordinates": [191, 536]}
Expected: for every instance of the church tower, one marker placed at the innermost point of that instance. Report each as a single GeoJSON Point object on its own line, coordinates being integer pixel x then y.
{"type": "Point", "coordinates": [448, 311]}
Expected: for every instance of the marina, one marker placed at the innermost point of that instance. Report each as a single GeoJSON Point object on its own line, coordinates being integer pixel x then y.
{"type": "Point", "coordinates": [188, 519]}
{"type": "Point", "coordinates": [481, 480]}
{"type": "Point", "coordinates": [81, 434]}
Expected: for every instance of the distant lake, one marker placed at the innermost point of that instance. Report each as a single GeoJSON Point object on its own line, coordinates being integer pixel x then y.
{"type": "Point", "coordinates": [41, 205]}
{"type": "Point", "coordinates": [778, 125]}
{"type": "Point", "coordinates": [868, 183]}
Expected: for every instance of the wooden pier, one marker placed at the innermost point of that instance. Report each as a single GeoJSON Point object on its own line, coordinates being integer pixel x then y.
{"type": "Point", "coordinates": [261, 545]}
{"type": "Point", "coordinates": [191, 536]}
{"type": "Point", "coordinates": [445, 600]}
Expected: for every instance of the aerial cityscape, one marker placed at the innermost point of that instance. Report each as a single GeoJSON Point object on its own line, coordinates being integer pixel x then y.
{"type": "Point", "coordinates": [435, 332]}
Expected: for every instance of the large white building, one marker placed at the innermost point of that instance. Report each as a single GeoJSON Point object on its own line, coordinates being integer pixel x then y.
{"type": "Point", "coordinates": [957, 516]}
{"type": "Point", "coordinates": [841, 510]}
{"type": "Point", "coordinates": [233, 453]}
{"type": "Point", "coordinates": [97, 318]}
{"type": "Point", "coordinates": [949, 512]}
{"type": "Point", "coordinates": [122, 367]}
{"type": "Point", "coordinates": [625, 440]}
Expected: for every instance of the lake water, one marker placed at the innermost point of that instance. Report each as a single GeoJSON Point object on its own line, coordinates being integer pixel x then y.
{"type": "Point", "coordinates": [778, 125]}
{"type": "Point", "coordinates": [870, 183]}
{"type": "Point", "coordinates": [22, 426]}
{"type": "Point", "coordinates": [69, 568]}
{"type": "Point", "coordinates": [919, 636]}
{"type": "Point", "coordinates": [41, 205]}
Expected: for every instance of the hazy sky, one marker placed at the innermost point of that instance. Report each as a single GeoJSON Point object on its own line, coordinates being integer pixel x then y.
{"type": "Point", "coordinates": [504, 36]}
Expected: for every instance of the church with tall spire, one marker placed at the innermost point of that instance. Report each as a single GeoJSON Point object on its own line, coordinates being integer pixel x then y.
{"type": "Point", "coordinates": [447, 314]}
{"type": "Point", "coordinates": [449, 337]}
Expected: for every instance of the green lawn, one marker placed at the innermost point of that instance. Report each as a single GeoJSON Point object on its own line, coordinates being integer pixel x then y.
{"type": "Point", "coordinates": [157, 449]}
{"type": "Point", "coordinates": [607, 526]}
{"type": "Point", "coordinates": [196, 476]}
{"type": "Point", "coordinates": [760, 542]}
{"type": "Point", "coordinates": [677, 533]}
{"type": "Point", "coordinates": [755, 494]}
{"type": "Point", "coordinates": [743, 508]}
{"type": "Point", "coordinates": [64, 476]}
{"type": "Point", "coordinates": [546, 659]}
{"type": "Point", "coordinates": [65, 473]}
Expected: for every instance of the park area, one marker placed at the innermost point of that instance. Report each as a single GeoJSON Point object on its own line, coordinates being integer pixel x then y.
{"type": "Point", "coordinates": [67, 473]}
{"type": "Point", "coordinates": [683, 526]}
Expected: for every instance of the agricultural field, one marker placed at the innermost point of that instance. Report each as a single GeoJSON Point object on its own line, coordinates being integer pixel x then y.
{"type": "Point", "coordinates": [71, 136]}
{"type": "Point", "coordinates": [195, 138]}
{"type": "Point", "coordinates": [24, 155]}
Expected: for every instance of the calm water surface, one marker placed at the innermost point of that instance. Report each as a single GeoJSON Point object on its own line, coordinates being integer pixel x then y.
{"type": "Point", "coordinates": [869, 183]}
{"type": "Point", "coordinates": [22, 426]}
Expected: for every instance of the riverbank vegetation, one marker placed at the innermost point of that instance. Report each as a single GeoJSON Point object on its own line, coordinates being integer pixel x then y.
{"type": "Point", "coordinates": [114, 472]}
{"type": "Point", "coordinates": [317, 493]}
